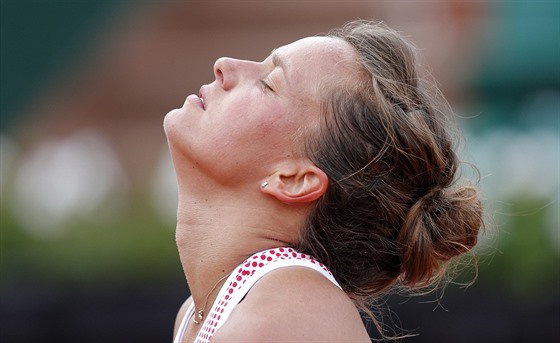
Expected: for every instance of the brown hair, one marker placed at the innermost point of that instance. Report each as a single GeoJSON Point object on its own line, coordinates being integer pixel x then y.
{"type": "Point", "coordinates": [393, 213]}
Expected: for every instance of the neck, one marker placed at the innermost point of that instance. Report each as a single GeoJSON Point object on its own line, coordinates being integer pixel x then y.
{"type": "Point", "coordinates": [215, 234]}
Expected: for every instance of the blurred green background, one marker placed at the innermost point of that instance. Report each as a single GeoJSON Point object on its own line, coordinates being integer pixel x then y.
{"type": "Point", "coordinates": [88, 194]}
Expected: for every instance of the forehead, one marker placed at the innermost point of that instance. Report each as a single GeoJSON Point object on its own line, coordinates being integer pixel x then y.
{"type": "Point", "coordinates": [313, 45]}
{"type": "Point", "coordinates": [315, 63]}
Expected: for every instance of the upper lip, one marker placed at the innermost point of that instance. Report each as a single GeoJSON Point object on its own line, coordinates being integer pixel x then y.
{"type": "Point", "coordinates": [202, 96]}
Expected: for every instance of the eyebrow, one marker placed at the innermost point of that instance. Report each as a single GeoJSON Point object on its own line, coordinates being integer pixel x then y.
{"type": "Point", "coordinates": [279, 62]}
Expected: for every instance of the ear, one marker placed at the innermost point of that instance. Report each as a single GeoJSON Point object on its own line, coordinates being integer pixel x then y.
{"type": "Point", "coordinates": [297, 183]}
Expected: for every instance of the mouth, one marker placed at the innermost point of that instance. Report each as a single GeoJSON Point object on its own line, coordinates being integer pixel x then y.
{"type": "Point", "coordinates": [198, 99]}
{"type": "Point", "coordinates": [201, 97]}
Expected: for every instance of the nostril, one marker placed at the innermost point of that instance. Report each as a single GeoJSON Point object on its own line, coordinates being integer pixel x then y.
{"type": "Point", "coordinates": [219, 76]}
{"type": "Point", "coordinates": [218, 70]}
{"type": "Point", "coordinates": [224, 72]}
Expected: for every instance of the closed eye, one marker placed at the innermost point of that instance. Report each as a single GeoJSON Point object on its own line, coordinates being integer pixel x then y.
{"type": "Point", "coordinates": [266, 86]}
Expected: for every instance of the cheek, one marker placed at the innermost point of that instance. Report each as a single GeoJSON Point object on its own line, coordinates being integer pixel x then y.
{"type": "Point", "coordinates": [257, 121]}
{"type": "Point", "coordinates": [276, 129]}
{"type": "Point", "coordinates": [256, 127]}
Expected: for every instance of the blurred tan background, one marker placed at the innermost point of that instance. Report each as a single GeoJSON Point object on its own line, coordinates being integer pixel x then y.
{"type": "Point", "coordinates": [88, 192]}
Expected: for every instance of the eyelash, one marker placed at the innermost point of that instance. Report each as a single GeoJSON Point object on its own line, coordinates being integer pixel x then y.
{"type": "Point", "coordinates": [266, 86]}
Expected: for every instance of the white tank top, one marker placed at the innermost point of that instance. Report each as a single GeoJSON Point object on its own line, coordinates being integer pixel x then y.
{"type": "Point", "coordinates": [240, 282]}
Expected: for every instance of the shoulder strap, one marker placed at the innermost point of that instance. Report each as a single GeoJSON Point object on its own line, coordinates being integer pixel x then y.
{"type": "Point", "coordinates": [183, 326]}
{"type": "Point", "coordinates": [252, 270]}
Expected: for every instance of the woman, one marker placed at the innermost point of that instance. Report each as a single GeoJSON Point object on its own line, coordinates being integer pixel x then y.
{"type": "Point", "coordinates": [310, 184]}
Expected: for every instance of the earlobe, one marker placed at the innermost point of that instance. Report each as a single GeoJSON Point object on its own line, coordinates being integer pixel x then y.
{"type": "Point", "coordinates": [298, 185]}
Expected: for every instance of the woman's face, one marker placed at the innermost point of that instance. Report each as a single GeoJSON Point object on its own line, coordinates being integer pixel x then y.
{"type": "Point", "coordinates": [246, 123]}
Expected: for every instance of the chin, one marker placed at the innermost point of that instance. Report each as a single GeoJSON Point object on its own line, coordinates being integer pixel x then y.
{"type": "Point", "coordinates": [170, 121]}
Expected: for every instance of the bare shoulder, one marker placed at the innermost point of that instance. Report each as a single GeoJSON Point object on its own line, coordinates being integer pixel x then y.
{"type": "Point", "coordinates": [181, 314]}
{"type": "Point", "coordinates": [294, 304]}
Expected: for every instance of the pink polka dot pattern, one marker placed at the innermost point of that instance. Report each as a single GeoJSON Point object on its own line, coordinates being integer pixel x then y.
{"type": "Point", "coordinates": [244, 272]}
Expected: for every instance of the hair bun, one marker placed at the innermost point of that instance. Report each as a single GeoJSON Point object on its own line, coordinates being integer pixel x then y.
{"type": "Point", "coordinates": [442, 224]}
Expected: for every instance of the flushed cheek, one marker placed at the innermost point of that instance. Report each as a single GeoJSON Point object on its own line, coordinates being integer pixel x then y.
{"type": "Point", "coordinates": [257, 121]}
{"type": "Point", "coordinates": [251, 122]}
{"type": "Point", "coordinates": [275, 131]}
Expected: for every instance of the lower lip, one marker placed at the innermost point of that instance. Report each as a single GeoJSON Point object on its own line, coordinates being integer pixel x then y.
{"type": "Point", "coordinates": [195, 100]}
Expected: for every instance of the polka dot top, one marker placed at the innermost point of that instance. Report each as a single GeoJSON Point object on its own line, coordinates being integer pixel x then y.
{"type": "Point", "coordinates": [240, 282]}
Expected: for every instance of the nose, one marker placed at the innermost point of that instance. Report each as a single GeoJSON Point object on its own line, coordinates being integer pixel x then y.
{"type": "Point", "coordinates": [229, 71]}
{"type": "Point", "coordinates": [225, 72]}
